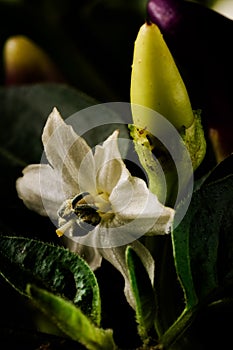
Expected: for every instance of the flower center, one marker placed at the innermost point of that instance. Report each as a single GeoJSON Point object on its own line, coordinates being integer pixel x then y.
{"type": "Point", "coordinates": [82, 211]}
{"type": "Point", "coordinates": [85, 209]}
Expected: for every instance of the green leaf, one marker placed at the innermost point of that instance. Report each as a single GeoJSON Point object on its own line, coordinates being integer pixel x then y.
{"type": "Point", "coordinates": [180, 242]}
{"type": "Point", "coordinates": [24, 261]}
{"type": "Point", "coordinates": [143, 293]}
{"type": "Point", "coordinates": [203, 241]}
{"type": "Point", "coordinates": [211, 240]}
{"type": "Point", "coordinates": [71, 320]}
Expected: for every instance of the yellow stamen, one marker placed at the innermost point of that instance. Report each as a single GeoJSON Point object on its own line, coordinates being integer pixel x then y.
{"type": "Point", "coordinates": [59, 233]}
{"type": "Point", "coordinates": [61, 230]}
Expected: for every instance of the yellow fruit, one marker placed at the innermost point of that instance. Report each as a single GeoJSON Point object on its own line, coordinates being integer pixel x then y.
{"type": "Point", "coordinates": [156, 82]}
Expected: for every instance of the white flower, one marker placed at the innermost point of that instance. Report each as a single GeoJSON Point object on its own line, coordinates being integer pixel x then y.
{"type": "Point", "coordinates": [92, 198]}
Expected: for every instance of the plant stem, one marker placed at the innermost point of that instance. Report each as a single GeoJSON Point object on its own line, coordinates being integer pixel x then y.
{"type": "Point", "coordinates": [173, 334]}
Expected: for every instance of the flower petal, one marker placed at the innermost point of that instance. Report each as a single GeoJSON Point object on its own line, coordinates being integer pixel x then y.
{"type": "Point", "coordinates": [109, 165]}
{"type": "Point", "coordinates": [65, 151]}
{"type": "Point", "coordinates": [139, 209]}
{"type": "Point", "coordinates": [89, 254]}
{"type": "Point", "coordinates": [116, 256]}
{"type": "Point", "coordinates": [100, 238]}
{"type": "Point", "coordinates": [40, 189]}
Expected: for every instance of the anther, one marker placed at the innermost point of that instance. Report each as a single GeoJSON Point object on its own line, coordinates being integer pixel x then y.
{"type": "Point", "coordinates": [77, 198]}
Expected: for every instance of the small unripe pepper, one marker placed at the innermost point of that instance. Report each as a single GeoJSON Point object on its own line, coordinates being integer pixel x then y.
{"type": "Point", "coordinates": [156, 82]}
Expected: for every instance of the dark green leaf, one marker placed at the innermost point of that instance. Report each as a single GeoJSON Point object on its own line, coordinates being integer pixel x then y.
{"type": "Point", "coordinates": [143, 293]}
{"type": "Point", "coordinates": [211, 240]}
{"type": "Point", "coordinates": [203, 241]}
{"type": "Point", "coordinates": [180, 241]}
{"type": "Point", "coordinates": [71, 320]}
{"type": "Point", "coordinates": [25, 261]}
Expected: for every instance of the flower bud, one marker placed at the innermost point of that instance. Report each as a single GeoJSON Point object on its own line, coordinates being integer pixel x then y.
{"type": "Point", "coordinates": [157, 85]}
{"type": "Point", "coordinates": [156, 82]}
{"type": "Point", "coordinates": [25, 62]}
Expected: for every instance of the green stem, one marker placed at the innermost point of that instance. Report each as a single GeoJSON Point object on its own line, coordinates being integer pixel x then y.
{"type": "Point", "coordinates": [177, 329]}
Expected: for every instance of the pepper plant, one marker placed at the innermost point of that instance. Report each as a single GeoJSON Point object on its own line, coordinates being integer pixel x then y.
{"type": "Point", "coordinates": [116, 224]}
